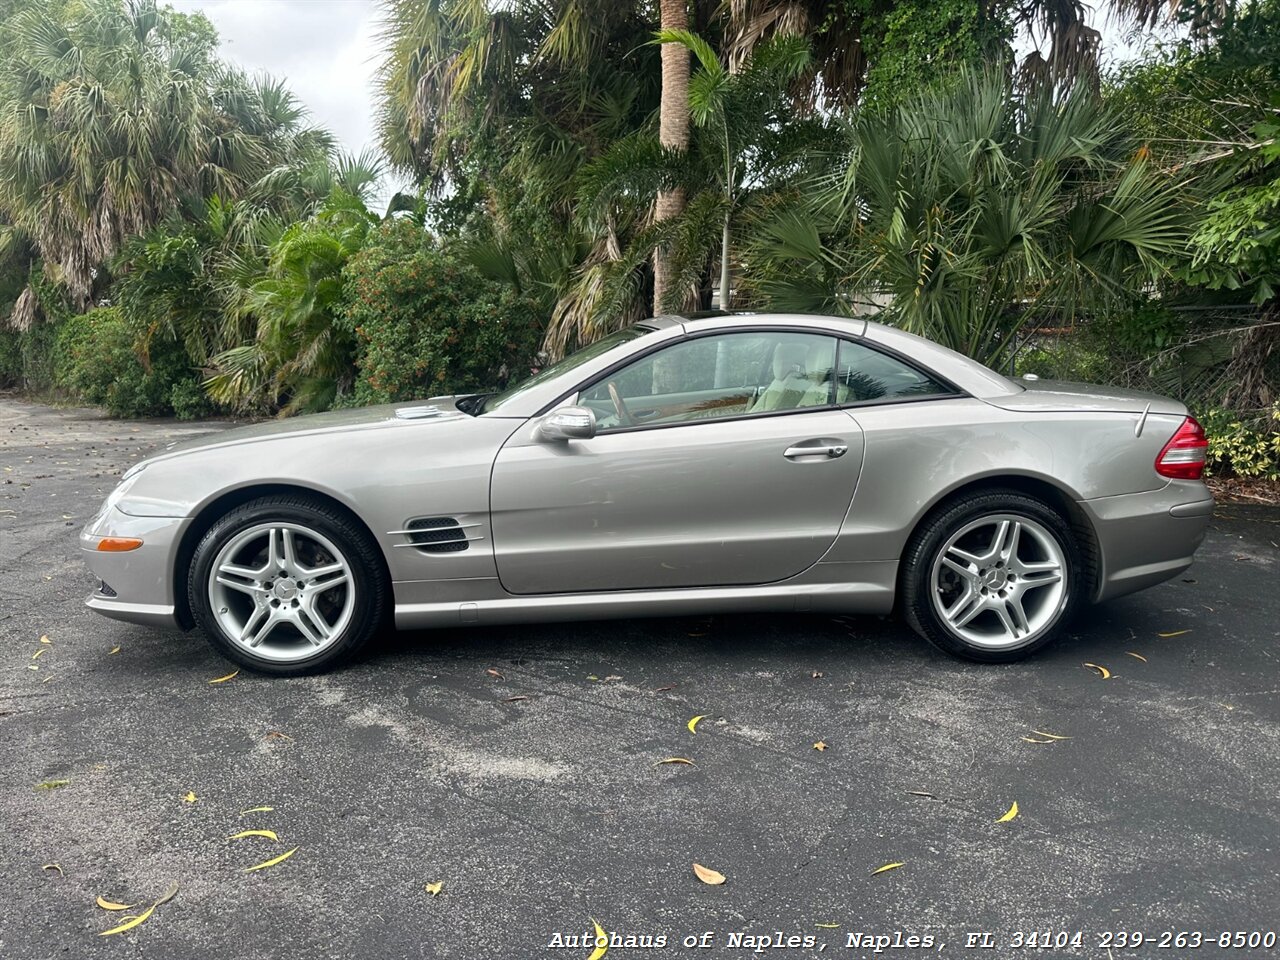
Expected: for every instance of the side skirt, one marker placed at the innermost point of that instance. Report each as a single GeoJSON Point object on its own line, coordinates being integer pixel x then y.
{"type": "Point", "coordinates": [871, 590]}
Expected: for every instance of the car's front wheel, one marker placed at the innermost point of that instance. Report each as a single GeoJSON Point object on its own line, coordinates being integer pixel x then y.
{"type": "Point", "coordinates": [286, 585]}
{"type": "Point", "coordinates": [992, 577]}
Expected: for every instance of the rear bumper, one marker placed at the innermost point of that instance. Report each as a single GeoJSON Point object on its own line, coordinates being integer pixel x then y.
{"type": "Point", "coordinates": [138, 583]}
{"type": "Point", "coordinates": [1146, 538]}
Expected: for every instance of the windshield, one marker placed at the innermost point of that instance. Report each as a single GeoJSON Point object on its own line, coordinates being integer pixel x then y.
{"type": "Point", "coordinates": [590, 352]}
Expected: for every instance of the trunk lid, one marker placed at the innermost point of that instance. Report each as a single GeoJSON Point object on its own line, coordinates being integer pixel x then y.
{"type": "Point", "coordinates": [1061, 396]}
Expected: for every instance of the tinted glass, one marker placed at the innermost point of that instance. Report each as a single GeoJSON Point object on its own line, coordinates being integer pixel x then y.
{"type": "Point", "coordinates": [729, 375]}
{"type": "Point", "coordinates": [589, 352]}
{"type": "Point", "coordinates": [866, 374]}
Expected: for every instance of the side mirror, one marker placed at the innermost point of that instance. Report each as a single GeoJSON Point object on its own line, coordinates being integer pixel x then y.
{"type": "Point", "coordinates": [567, 423]}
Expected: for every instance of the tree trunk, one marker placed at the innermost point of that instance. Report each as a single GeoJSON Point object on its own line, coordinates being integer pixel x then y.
{"type": "Point", "coordinates": [673, 131]}
{"type": "Point", "coordinates": [725, 293]}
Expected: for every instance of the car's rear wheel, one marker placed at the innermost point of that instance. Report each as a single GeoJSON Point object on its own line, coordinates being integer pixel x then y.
{"type": "Point", "coordinates": [286, 585]}
{"type": "Point", "coordinates": [992, 577]}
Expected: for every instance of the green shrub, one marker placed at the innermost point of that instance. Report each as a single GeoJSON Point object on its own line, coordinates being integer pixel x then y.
{"type": "Point", "coordinates": [10, 359]}
{"type": "Point", "coordinates": [26, 358]}
{"type": "Point", "coordinates": [427, 322]}
{"type": "Point", "coordinates": [96, 360]}
{"type": "Point", "coordinates": [1129, 348]}
{"type": "Point", "coordinates": [1244, 447]}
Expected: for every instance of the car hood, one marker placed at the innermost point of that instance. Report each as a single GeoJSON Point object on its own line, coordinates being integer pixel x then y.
{"type": "Point", "coordinates": [1061, 396]}
{"type": "Point", "coordinates": [382, 416]}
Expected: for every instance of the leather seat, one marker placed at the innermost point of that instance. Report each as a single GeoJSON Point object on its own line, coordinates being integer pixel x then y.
{"type": "Point", "coordinates": [790, 382]}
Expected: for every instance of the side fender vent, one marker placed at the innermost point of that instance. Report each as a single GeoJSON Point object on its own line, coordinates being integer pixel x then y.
{"type": "Point", "coordinates": [436, 535]}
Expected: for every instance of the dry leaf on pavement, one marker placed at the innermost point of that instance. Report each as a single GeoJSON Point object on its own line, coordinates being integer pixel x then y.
{"type": "Point", "coordinates": [272, 862]}
{"type": "Point", "coordinates": [708, 876]}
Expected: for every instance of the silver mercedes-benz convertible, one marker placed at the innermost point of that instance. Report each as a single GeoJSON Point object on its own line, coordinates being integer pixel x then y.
{"type": "Point", "coordinates": [680, 466]}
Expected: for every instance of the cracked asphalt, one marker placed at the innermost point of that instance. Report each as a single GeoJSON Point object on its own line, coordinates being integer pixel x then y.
{"type": "Point", "coordinates": [518, 766]}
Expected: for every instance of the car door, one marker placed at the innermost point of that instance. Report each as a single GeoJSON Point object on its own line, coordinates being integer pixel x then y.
{"type": "Point", "coordinates": [719, 460]}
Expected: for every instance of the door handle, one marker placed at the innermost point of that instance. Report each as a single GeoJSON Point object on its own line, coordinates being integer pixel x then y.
{"type": "Point", "coordinates": [830, 451]}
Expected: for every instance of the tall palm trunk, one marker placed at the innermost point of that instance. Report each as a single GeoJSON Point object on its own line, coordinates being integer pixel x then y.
{"type": "Point", "coordinates": [673, 131]}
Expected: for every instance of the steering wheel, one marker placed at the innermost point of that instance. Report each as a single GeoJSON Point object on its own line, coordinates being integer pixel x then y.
{"type": "Point", "coordinates": [624, 415]}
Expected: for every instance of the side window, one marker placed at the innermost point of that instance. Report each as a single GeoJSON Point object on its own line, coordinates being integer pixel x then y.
{"type": "Point", "coordinates": [717, 376]}
{"type": "Point", "coordinates": [866, 374]}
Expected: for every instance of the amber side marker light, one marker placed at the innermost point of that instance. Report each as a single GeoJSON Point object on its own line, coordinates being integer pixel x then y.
{"type": "Point", "coordinates": [119, 544]}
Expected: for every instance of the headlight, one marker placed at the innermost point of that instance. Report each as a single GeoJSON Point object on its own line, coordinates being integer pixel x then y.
{"type": "Point", "coordinates": [122, 489]}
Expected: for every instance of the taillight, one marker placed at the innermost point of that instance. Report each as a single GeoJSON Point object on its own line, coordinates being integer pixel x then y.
{"type": "Point", "coordinates": [1183, 456]}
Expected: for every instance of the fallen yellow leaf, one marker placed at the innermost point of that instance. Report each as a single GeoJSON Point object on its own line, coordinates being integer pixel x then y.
{"type": "Point", "coordinates": [1174, 633]}
{"type": "Point", "coordinates": [130, 924]}
{"type": "Point", "coordinates": [51, 784]}
{"type": "Point", "coordinates": [887, 867]}
{"type": "Point", "coordinates": [106, 904]}
{"type": "Point", "coordinates": [53, 866]}
{"type": "Point", "coordinates": [269, 834]}
{"type": "Point", "coordinates": [36, 655]}
{"type": "Point", "coordinates": [1051, 736]}
{"type": "Point", "coordinates": [828, 926]}
{"type": "Point", "coordinates": [1034, 740]}
{"type": "Point", "coordinates": [684, 760]}
{"type": "Point", "coordinates": [190, 797]}
{"type": "Point", "coordinates": [693, 724]}
{"type": "Point", "coordinates": [257, 810]}
{"type": "Point", "coordinates": [44, 638]}
{"type": "Point", "coordinates": [602, 942]}
{"type": "Point", "coordinates": [434, 888]}
{"type": "Point", "coordinates": [272, 862]}
{"type": "Point", "coordinates": [115, 649]}
{"type": "Point", "coordinates": [1136, 656]}
{"type": "Point", "coordinates": [1102, 671]}
{"type": "Point", "coordinates": [820, 746]}
{"type": "Point", "coordinates": [707, 875]}
{"type": "Point", "coordinates": [168, 894]}
{"type": "Point", "coordinates": [229, 676]}
{"type": "Point", "coordinates": [1010, 813]}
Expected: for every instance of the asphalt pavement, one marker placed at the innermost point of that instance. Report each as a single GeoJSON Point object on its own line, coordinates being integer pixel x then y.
{"type": "Point", "coordinates": [519, 767]}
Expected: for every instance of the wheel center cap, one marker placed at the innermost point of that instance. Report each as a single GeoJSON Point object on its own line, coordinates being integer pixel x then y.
{"type": "Point", "coordinates": [994, 578]}
{"type": "Point", "coordinates": [284, 590]}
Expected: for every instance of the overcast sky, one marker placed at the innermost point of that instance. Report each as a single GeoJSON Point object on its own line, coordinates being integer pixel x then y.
{"type": "Point", "coordinates": [326, 49]}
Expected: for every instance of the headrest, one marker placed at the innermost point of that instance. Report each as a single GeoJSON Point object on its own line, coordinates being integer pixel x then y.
{"type": "Point", "coordinates": [789, 358]}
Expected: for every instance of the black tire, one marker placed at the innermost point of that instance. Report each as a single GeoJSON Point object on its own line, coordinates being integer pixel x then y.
{"type": "Point", "coordinates": [916, 579]}
{"type": "Point", "coordinates": [368, 582]}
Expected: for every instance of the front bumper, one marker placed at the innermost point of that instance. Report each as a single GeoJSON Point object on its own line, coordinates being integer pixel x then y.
{"type": "Point", "coordinates": [1146, 538]}
{"type": "Point", "coordinates": [139, 585]}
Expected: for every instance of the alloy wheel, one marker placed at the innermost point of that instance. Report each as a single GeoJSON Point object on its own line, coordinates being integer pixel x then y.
{"type": "Point", "coordinates": [999, 581]}
{"type": "Point", "coordinates": [281, 591]}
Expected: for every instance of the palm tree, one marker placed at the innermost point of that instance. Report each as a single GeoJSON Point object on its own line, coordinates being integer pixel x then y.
{"type": "Point", "coordinates": [297, 356]}
{"type": "Point", "coordinates": [741, 111]}
{"type": "Point", "coordinates": [969, 213]}
{"type": "Point", "coordinates": [673, 130]}
{"type": "Point", "coordinates": [843, 33]}
{"type": "Point", "coordinates": [746, 148]}
{"type": "Point", "coordinates": [113, 114]}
